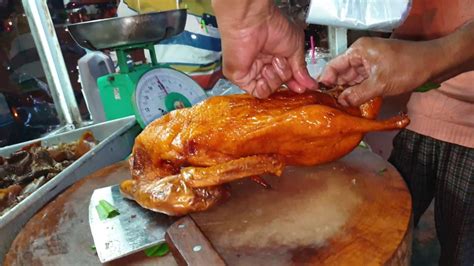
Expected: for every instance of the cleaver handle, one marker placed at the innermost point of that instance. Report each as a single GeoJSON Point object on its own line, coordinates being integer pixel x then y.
{"type": "Point", "coordinates": [189, 246]}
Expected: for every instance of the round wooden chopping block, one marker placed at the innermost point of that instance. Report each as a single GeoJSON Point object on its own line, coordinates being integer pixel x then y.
{"type": "Point", "coordinates": [355, 211]}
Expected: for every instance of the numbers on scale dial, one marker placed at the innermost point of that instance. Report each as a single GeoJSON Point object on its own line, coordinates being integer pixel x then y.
{"type": "Point", "coordinates": [154, 86]}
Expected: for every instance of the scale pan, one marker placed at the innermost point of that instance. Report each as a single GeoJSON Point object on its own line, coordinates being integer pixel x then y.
{"type": "Point", "coordinates": [119, 32]}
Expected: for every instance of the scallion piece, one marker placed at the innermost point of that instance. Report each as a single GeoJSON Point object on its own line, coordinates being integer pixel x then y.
{"type": "Point", "coordinates": [427, 87]}
{"type": "Point", "coordinates": [363, 145]}
{"type": "Point", "coordinates": [106, 210]}
{"type": "Point", "coordinates": [382, 171]}
{"type": "Point", "coordinates": [157, 251]}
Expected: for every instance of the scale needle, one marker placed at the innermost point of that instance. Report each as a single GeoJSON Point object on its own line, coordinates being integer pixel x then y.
{"type": "Point", "coordinates": [162, 87]}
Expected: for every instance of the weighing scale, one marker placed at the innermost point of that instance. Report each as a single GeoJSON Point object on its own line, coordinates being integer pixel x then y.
{"type": "Point", "coordinates": [148, 90]}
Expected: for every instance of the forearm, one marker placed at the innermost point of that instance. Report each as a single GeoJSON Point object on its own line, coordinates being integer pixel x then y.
{"type": "Point", "coordinates": [453, 55]}
{"type": "Point", "coordinates": [242, 13]}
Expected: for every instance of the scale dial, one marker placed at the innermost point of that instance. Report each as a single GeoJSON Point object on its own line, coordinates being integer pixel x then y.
{"type": "Point", "coordinates": [162, 90]}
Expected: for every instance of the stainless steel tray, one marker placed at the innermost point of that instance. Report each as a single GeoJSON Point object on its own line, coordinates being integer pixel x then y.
{"type": "Point", "coordinates": [116, 140]}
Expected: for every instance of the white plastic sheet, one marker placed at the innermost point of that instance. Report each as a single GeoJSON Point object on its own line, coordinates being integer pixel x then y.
{"type": "Point", "coordinates": [376, 15]}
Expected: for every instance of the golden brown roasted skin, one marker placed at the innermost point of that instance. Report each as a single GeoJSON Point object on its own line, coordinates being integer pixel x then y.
{"type": "Point", "coordinates": [181, 161]}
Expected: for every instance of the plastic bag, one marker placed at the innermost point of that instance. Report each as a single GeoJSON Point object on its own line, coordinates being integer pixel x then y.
{"type": "Point", "coordinates": [375, 15]}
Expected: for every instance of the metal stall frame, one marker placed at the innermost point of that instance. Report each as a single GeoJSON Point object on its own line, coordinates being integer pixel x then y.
{"type": "Point", "coordinates": [52, 60]}
{"type": "Point", "coordinates": [337, 39]}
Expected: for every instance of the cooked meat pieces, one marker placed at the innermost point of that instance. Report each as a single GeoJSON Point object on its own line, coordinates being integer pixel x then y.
{"type": "Point", "coordinates": [26, 170]}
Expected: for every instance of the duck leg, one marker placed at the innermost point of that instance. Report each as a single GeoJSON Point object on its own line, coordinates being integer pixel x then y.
{"type": "Point", "coordinates": [197, 188]}
{"type": "Point", "coordinates": [232, 170]}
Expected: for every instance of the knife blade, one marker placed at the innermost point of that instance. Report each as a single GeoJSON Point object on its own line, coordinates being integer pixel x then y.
{"type": "Point", "coordinates": [136, 229]}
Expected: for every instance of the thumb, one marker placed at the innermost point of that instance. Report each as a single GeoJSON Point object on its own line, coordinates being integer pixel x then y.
{"type": "Point", "coordinates": [358, 94]}
{"type": "Point", "coordinates": [300, 72]}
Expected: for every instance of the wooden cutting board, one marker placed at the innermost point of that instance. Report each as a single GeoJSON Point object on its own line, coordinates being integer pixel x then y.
{"type": "Point", "coordinates": [355, 211]}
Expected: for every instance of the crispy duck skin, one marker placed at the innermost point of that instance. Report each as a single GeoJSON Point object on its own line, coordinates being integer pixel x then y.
{"type": "Point", "coordinates": [182, 161]}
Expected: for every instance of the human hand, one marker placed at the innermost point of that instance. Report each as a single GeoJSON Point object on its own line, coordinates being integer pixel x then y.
{"type": "Point", "coordinates": [379, 67]}
{"type": "Point", "coordinates": [261, 48]}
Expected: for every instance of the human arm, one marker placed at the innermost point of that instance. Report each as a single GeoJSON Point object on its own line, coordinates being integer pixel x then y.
{"type": "Point", "coordinates": [262, 49]}
{"type": "Point", "coordinates": [381, 67]}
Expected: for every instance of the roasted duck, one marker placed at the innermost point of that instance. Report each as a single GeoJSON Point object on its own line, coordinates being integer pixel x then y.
{"type": "Point", "coordinates": [182, 161]}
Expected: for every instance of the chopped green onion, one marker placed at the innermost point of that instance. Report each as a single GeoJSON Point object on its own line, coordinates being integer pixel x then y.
{"type": "Point", "coordinates": [157, 251]}
{"type": "Point", "coordinates": [106, 210]}
{"type": "Point", "coordinates": [382, 171]}
{"type": "Point", "coordinates": [427, 87]}
{"type": "Point", "coordinates": [203, 25]}
{"type": "Point", "coordinates": [93, 247]}
{"type": "Point", "coordinates": [363, 145]}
